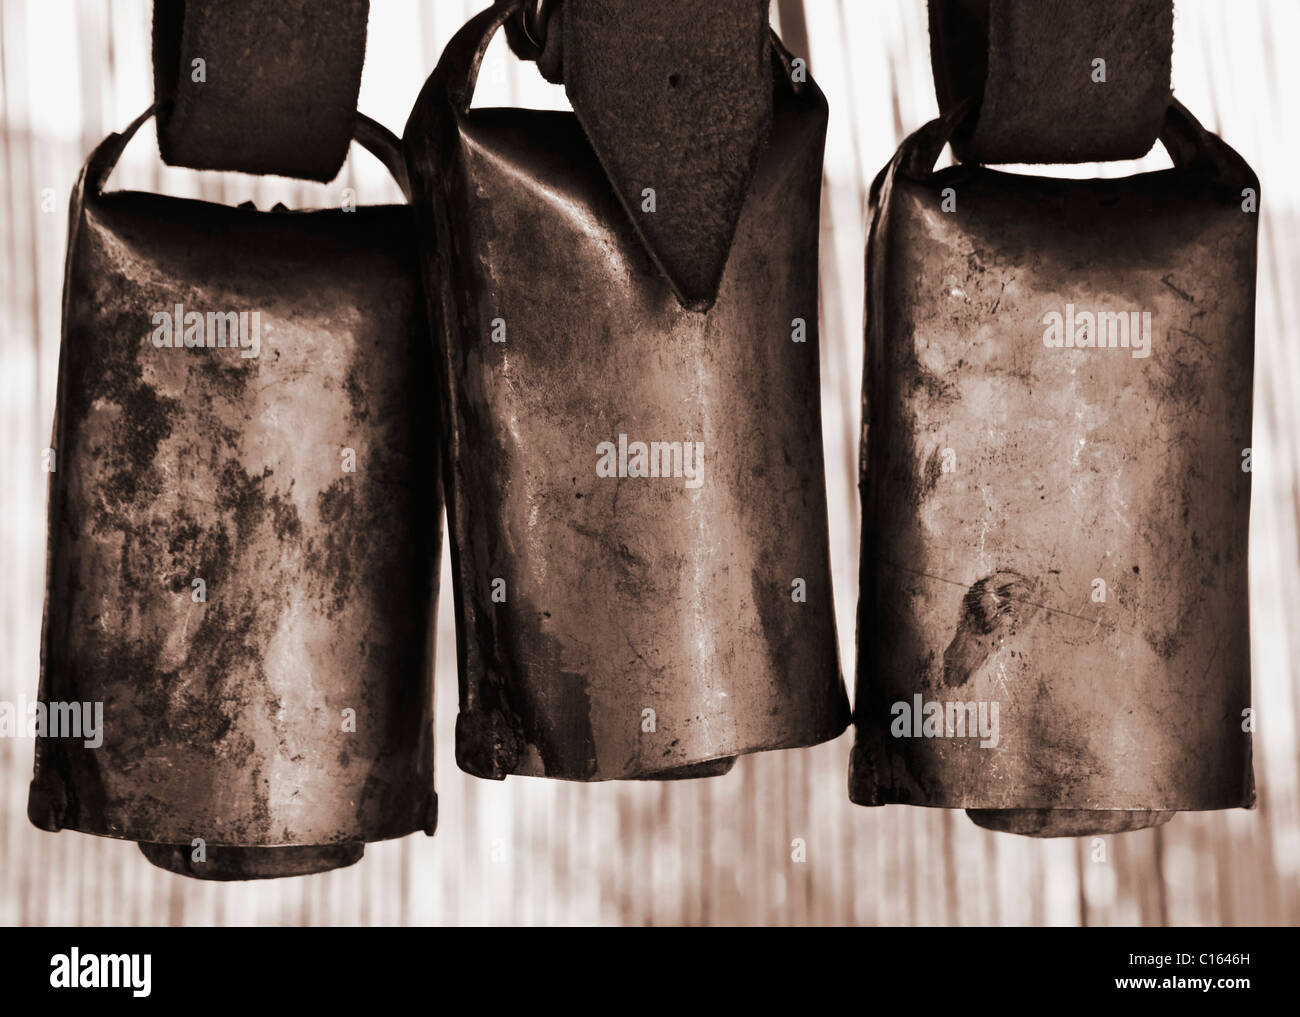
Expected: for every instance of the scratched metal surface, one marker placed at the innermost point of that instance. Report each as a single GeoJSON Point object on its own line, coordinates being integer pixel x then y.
{"type": "Point", "coordinates": [709, 851]}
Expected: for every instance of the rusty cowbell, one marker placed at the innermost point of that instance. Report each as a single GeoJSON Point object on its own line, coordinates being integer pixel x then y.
{"type": "Point", "coordinates": [1052, 625]}
{"type": "Point", "coordinates": [244, 527]}
{"type": "Point", "coordinates": [636, 497]}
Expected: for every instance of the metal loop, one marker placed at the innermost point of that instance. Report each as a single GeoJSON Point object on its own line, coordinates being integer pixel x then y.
{"type": "Point", "coordinates": [535, 17]}
{"type": "Point", "coordinates": [528, 26]}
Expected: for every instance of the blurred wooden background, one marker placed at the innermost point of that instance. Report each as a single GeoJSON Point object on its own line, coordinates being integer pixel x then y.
{"type": "Point", "coordinates": [712, 851]}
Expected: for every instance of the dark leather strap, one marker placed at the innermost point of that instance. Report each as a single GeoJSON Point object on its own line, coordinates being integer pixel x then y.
{"type": "Point", "coordinates": [676, 97]}
{"type": "Point", "coordinates": [1030, 64]}
{"type": "Point", "coordinates": [277, 88]}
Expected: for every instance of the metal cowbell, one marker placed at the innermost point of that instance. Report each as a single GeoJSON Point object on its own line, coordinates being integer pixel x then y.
{"type": "Point", "coordinates": [244, 531]}
{"type": "Point", "coordinates": [1052, 625]}
{"type": "Point", "coordinates": [636, 498]}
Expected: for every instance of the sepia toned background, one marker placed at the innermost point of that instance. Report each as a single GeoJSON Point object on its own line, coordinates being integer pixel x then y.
{"type": "Point", "coordinates": [717, 851]}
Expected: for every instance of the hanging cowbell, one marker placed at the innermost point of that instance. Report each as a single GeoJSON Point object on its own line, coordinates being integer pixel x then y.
{"type": "Point", "coordinates": [636, 497]}
{"type": "Point", "coordinates": [244, 531]}
{"type": "Point", "coordinates": [1057, 414]}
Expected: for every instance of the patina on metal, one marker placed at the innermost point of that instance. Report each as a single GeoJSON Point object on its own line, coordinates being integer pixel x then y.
{"type": "Point", "coordinates": [1057, 530]}
{"type": "Point", "coordinates": [612, 625]}
{"type": "Point", "coordinates": [244, 530]}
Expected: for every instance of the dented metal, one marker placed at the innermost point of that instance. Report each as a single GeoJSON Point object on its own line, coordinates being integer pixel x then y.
{"type": "Point", "coordinates": [243, 537]}
{"type": "Point", "coordinates": [1057, 531]}
{"type": "Point", "coordinates": [610, 624]}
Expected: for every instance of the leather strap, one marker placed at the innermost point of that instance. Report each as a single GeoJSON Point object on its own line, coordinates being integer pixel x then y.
{"type": "Point", "coordinates": [276, 89]}
{"type": "Point", "coordinates": [674, 97]}
{"type": "Point", "coordinates": [1031, 65]}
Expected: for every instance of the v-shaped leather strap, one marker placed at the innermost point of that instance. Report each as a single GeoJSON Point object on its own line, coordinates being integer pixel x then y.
{"type": "Point", "coordinates": [676, 100]}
